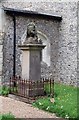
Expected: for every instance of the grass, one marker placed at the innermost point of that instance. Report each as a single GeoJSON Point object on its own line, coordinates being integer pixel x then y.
{"type": "Point", "coordinates": [65, 104]}
{"type": "Point", "coordinates": [8, 116]}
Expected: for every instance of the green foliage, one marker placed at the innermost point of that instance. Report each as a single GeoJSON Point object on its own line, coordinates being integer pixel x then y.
{"type": "Point", "coordinates": [47, 89]}
{"type": "Point", "coordinates": [65, 104]}
{"type": "Point", "coordinates": [4, 90]}
{"type": "Point", "coordinates": [8, 116]}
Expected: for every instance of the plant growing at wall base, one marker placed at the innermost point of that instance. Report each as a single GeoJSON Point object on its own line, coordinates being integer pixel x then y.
{"type": "Point", "coordinates": [4, 90]}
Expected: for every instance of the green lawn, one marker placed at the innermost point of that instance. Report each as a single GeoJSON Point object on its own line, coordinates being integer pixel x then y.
{"type": "Point", "coordinates": [65, 104]}
{"type": "Point", "coordinates": [8, 116]}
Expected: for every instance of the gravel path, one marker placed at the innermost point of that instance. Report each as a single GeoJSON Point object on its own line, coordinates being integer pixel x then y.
{"type": "Point", "coordinates": [21, 109]}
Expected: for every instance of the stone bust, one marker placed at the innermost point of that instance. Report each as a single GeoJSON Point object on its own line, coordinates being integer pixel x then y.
{"type": "Point", "coordinates": [31, 36]}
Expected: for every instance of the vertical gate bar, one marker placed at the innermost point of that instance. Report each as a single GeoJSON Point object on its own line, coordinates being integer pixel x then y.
{"type": "Point", "coordinates": [24, 87]}
{"type": "Point", "coordinates": [53, 87]}
{"type": "Point", "coordinates": [33, 89]}
{"type": "Point", "coordinates": [50, 85]}
{"type": "Point", "coordinates": [37, 87]}
{"type": "Point", "coordinates": [13, 82]}
{"type": "Point", "coordinates": [10, 84]}
{"type": "Point", "coordinates": [28, 88]}
{"type": "Point", "coordinates": [20, 86]}
{"type": "Point", "coordinates": [43, 83]}
{"type": "Point", "coordinates": [16, 85]}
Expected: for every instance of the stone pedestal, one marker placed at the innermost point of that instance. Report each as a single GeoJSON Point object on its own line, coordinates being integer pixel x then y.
{"type": "Point", "coordinates": [31, 67]}
{"type": "Point", "coordinates": [31, 62]}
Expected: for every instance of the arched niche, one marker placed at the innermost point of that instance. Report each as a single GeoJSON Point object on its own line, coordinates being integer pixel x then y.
{"type": "Point", "coordinates": [46, 50]}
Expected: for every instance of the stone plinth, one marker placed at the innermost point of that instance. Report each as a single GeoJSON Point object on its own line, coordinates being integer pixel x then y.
{"type": "Point", "coordinates": [31, 67]}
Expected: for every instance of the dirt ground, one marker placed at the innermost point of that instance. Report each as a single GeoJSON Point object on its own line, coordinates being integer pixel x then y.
{"type": "Point", "coordinates": [22, 110]}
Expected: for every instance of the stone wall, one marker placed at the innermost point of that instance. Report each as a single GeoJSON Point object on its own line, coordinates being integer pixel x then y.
{"type": "Point", "coordinates": [62, 37]}
{"type": "Point", "coordinates": [21, 25]}
{"type": "Point", "coordinates": [78, 46]}
{"type": "Point", "coordinates": [8, 50]}
{"type": "Point", "coordinates": [1, 42]}
{"type": "Point", "coordinates": [1, 57]}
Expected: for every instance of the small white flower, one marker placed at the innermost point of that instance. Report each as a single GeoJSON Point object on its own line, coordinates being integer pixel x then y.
{"type": "Point", "coordinates": [66, 116]}
{"type": "Point", "coordinates": [47, 108]}
{"type": "Point", "coordinates": [61, 106]}
{"type": "Point", "coordinates": [40, 103]}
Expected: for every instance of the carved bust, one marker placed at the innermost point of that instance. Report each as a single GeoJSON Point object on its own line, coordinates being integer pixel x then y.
{"type": "Point", "coordinates": [31, 30]}
{"type": "Point", "coordinates": [32, 34]}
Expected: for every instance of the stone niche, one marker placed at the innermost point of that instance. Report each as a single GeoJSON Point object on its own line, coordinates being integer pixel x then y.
{"type": "Point", "coordinates": [45, 51]}
{"type": "Point", "coordinates": [45, 60]}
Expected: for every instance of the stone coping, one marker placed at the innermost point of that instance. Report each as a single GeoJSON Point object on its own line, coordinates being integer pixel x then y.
{"type": "Point", "coordinates": [31, 47]}
{"type": "Point", "coordinates": [17, 12]}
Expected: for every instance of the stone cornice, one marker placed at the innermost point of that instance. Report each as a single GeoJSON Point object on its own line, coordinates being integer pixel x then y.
{"type": "Point", "coordinates": [17, 12]}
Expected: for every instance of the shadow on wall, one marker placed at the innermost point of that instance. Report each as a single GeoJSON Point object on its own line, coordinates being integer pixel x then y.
{"type": "Point", "coordinates": [45, 70]}
{"type": "Point", "coordinates": [45, 63]}
{"type": "Point", "coordinates": [46, 50]}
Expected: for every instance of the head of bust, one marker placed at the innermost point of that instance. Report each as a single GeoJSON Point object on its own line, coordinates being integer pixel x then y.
{"type": "Point", "coordinates": [31, 30]}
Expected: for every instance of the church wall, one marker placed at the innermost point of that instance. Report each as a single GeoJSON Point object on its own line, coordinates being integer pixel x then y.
{"type": "Point", "coordinates": [62, 36]}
